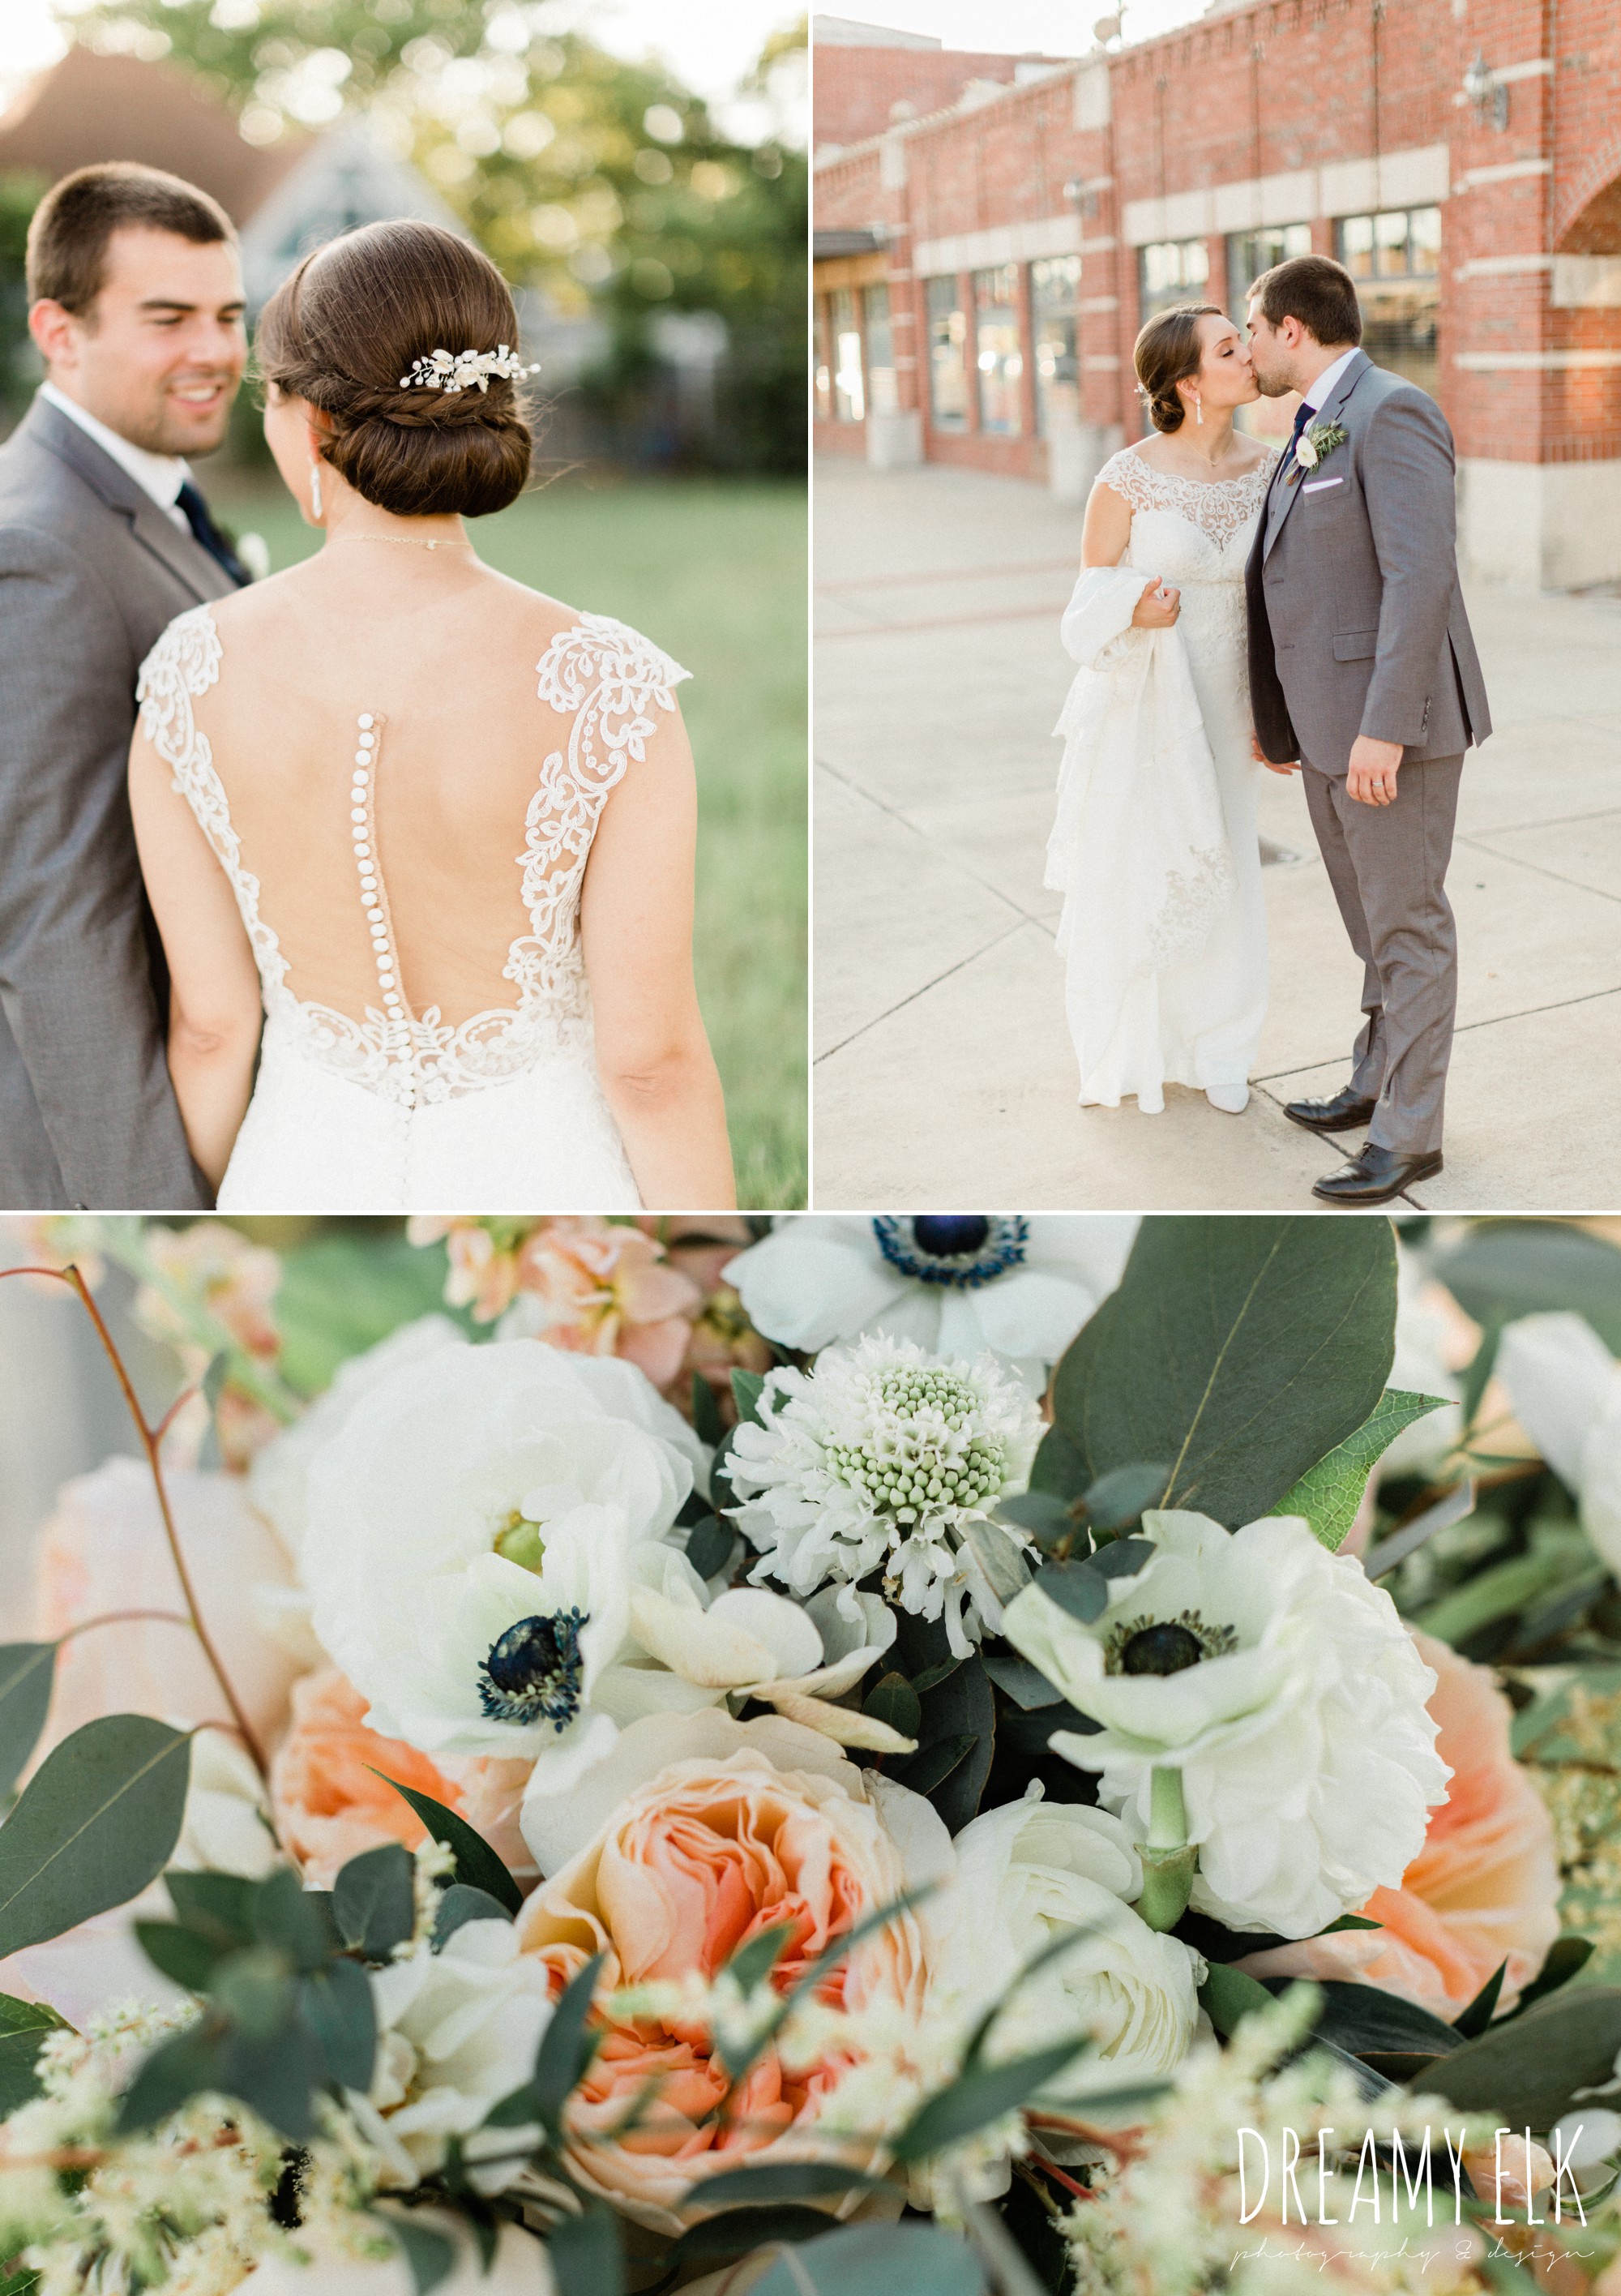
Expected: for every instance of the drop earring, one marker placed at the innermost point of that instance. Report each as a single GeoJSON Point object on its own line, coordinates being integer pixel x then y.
{"type": "Point", "coordinates": [1198, 408]}
{"type": "Point", "coordinates": [314, 488]}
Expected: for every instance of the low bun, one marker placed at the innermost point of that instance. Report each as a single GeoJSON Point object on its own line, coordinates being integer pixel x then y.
{"type": "Point", "coordinates": [1168, 351]}
{"type": "Point", "coordinates": [358, 313]}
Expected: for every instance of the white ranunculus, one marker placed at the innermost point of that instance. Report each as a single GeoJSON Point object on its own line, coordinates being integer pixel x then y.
{"type": "Point", "coordinates": [1027, 1873]}
{"type": "Point", "coordinates": [456, 2031]}
{"type": "Point", "coordinates": [884, 1457]}
{"type": "Point", "coordinates": [469, 1544]}
{"type": "Point", "coordinates": [1286, 1691]}
{"type": "Point", "coordinates": [1565, 1390]}
{"type": "Point", "coordinates": [957, 1284]}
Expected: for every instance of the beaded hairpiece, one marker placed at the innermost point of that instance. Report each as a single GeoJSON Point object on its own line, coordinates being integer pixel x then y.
{"type": "Point", "coordinates": [440, 371]}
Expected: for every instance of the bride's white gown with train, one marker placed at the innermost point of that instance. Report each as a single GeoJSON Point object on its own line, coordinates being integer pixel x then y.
{"type": "Point", "coordinates": [1155, 847]}
{"type": "Point", "coordinates": [391, 1106]}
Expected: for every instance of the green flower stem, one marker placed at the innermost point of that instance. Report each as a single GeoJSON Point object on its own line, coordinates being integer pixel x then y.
{"type": "Point", "coordinates": [1168, 1858]}
{"type": "Point", "coordinates": [125, 1242]}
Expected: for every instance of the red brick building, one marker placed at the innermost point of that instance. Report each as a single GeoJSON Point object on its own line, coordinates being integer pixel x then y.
{"type": "Point", "coordinates": [982, 270]}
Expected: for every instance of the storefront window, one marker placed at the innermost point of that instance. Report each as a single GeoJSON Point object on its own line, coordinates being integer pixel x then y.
{"type": "Point", "coordinates": [1055, 289]}
{"type": "Point", "coordinates": [1251, 252]}
{"type": "Point", "coordinates": [849, 384]}
{"type": "Point", "coordinates": [824, 371]}
{"type": "Point", "coordinates": [947, 356]}
{"type": "Point", "coordinates": [999, 349]}
{"type": "Point", "coordinates": [1395, 260]}
{"type": "Point", "coordinates": [1171, 271]}
{"type": "Point", "coordinates": [881, 350]}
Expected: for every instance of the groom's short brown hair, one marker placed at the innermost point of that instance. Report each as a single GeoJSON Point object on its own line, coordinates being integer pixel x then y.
{"type": "Point", "coordinates": [67, 255]}
{"type": "Point", "coordinates": [1316, 289]}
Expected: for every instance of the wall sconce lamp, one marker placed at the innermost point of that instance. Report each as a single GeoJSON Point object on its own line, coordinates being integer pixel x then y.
{"type": "Point", "coordinates": [1487, 93]}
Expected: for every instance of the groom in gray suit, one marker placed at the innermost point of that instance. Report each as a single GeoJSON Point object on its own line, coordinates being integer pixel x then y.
{"type": "Point", "coordinates": [137, 306]}
{"type": "Point", "coordinates": [1363, 671]}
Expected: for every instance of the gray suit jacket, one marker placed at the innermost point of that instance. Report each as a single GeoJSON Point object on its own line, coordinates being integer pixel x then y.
{"type": "Point", "coordinates": [91, 573]}
{"type": "Point", "coordinates": [1356, 620]}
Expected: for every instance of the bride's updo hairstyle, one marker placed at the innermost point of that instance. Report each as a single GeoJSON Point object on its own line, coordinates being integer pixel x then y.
{"type": "Point", "coordinates": [1167, 352]}
{"type": "Point", "coordinates": [354, 317]}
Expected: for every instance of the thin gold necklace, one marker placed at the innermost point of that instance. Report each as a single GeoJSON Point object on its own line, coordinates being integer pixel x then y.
{"type": "Point", "coordinates": [416, 541]}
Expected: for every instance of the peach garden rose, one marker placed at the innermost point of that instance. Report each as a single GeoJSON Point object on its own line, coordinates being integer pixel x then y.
{"type": "Point", "coordinates": [697, 1833]}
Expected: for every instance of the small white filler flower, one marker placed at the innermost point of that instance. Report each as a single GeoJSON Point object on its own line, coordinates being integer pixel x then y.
{"type": "Point", "coordinates": [883, 1458]}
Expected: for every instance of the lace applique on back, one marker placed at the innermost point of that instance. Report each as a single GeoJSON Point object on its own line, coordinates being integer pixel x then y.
{"type": "Point", "coordinates": [1218, 507]}
{"type": "Point", "coordinates": [600, 675]}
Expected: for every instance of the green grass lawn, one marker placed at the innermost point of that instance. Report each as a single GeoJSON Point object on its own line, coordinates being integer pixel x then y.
{"type": "Point", "coordinates": [714, 572]}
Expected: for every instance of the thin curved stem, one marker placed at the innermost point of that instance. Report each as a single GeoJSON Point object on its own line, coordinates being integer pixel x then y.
{"type": "Point", "coordinates": [71, 1276]}
{"type": "Point", "coordinates": [127, 1617]}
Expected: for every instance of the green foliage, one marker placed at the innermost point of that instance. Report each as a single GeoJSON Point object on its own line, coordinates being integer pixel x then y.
{"type": "Point", "coordinates": [893, 1700]}
{"type": "Point", "coordinates": [1526, 2069]}
{"type": "Point", "coordinates": [23, 2026]}
{"type": "Point", "coordinates": [462, 1903]}
{"type": "Point", "coordinates": [375, 1901]}
{"type": "Point", "coordinates": [93, 1826]}
{"type": "Point", "coordinates": [876, 2259]}
{"type": "Point", "coordinates": [708, 1544]}
{"type": "Point", "coordinates": [956, 1732]}
{"type": "Point", "coordinates": [19, 362]}
{"type": "Point", "coordinates": [1242, 1350]}
{"type": "Point", "coordinates": [1504, 1268]}
{"type": "Point", "coordinates": [786, 2180]}
{"type": "Point", "coordinates": [341, 1293]}
{"type": "Point", "coordinates": [476, 1863]}
{"type": "Point", "coordinates": [586, 2254]}
{"type": "Point", "coordinates": [1329, 1493]}
{"type": "Point", "coordinates": [27, 1672]}
{"type": "Point", "coordinates": [429, 2254]}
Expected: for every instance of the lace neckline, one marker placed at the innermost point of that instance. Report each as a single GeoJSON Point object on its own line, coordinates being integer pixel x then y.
{"type": "Point", "coordinates": [1220, 508]}
{"type": "Point", "coordinates": [600, 674]}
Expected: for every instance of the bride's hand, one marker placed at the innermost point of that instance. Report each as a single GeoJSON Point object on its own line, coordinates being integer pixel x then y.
{"type": "Point", "coordinates": [1261, 759]}
{"type": "Point", "coordinates": [1157, 608]}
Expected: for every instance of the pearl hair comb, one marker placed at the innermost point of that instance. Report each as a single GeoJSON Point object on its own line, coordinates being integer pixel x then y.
{"type": "Point", "coordinates": [440, 371]}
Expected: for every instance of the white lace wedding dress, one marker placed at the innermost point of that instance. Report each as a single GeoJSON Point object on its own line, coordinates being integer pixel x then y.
{"type": "Point", "coordinates": [1154, 846]}
{"type": "Point", "coordinates": [391, 1108]}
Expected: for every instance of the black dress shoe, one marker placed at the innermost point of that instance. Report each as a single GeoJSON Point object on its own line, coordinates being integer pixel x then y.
{"type": "Point", "coordinates": [1343, 1113]}
{"type": "Point", "coordinates": [1376, 1176]}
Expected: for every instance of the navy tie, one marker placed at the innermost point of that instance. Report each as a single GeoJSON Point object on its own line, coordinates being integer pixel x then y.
{"type": "Point", "coordinates": [209, 535]}
{"type": "Point", "coordinates": [1303, 416]}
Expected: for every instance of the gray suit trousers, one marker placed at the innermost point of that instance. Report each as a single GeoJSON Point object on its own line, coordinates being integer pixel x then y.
{"type": "Point", "coordinates": [1387, 867]}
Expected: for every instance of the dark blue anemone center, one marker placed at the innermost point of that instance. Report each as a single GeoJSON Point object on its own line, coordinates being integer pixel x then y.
{"type": "Point", "coordinates": [532, 1673]}
{"type": "Point", "coordinates": [960, 1250]}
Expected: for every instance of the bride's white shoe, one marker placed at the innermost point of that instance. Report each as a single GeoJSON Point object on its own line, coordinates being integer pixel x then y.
{"type": "Point", "coordinates": [1232, 1099]}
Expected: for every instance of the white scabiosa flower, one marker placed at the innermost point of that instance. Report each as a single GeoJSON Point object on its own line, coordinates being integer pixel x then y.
{"type": "Point", "coordinates": [456, 2031]}
{"type": "Point", "coordinates": [881, 1458]}
{"type": "Point", "coordinates": [956, 1283]}
{"type": "Point", "coordinates": [1286, 1691]}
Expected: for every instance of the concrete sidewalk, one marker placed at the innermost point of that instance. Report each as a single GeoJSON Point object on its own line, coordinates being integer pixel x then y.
{"type": "Point", "coordinates": [945, 1075]}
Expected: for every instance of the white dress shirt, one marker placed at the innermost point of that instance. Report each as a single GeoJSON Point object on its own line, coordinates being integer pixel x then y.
{"type": "Point", "coordinates": [161, 476]}
{"type": "Point", "coordinates": [1325, 382]}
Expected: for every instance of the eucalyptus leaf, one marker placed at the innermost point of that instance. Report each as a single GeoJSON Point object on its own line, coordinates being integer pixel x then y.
{"type": "Point", "coordinates": [276, 2075]}
{"type": "Point", "coordinates": [1568, 1957]}
{"type": "Point", "coordinates": [1045, 1518]}
{"type": "Point", "coordinates": [586, 2254]}
{"type": "Point", "coordinates": [23, 2027]}
{"type": "Point", "coordinates": [27, 1672]}
{"type": "Point", "coordinates": [960, 1704]}
{"type": "Point", "coordinates": [1000, 1557]}
{"type": "Point", "coordinates": [476, 1862]}
{"type": "Point", "coordinates": [746, 1386]}
{"type": "Point", "coordinates": [1242, 1350]}
{"type": "Point", "coordinates": [1361, 2018]}
{"type": "Point", "coordinates": [185, 2065]}
{"type": "Point", "coordinates": [429, 2254]}
{"type": "Point", "coordinates": [1026, 1684]}
{"type": "Point", "coordinates": [219, 1906]}
{"type": "Point", "coordinates": [979, 2095]}
{"type": "Point", "coordinates": [1329, 1493]}
{"type": "Point", "coordinates": [893, 1700]}
{"type": "Point", "coordinates": [1076, 1588]}
{"type": "Point", "coordinates": [752, 1963]}
{"type": "Point", "coordinates": [1228, 1995]}
{"type": "Point", "coordinates": [95, 1824]}
{"type": "Point", "coordinates": [929, 1768]}
{"type": "Point", "coordinates": [706, 1412]}
{"type": "Point", "coordinates": [1122, 1558]}
{"type": "Point", "coordinates": [709, 1543]}
{"type": "Point", "coordinates": [566, 2048]}
{"type": "Point", "coordinates": [1526, 2069]}
{"type": "Point", "coordinates": [782, 2180]}
{"type": "Point", "coordinates": [462, 1903]}
{"type": "Point", "coordinates": [1478, 2016]}
{"type": "Point", "coordinates": [336, 2005]}
{"type": "Point", "coordinates": [296, 1922]}
{"type": "Point", "coordinates": [736, 2231]}
{"type": "Point", "coordinates": [374, 1900]}
{"type": "Point", "coordinates": [876, 2259]}
{"type": "Point", "coordinates": [185, 1957]}
{"type": "Point", "coordinates": [1121, 1495]}
{"type": "Point", "coordinates": [1505, 1268]}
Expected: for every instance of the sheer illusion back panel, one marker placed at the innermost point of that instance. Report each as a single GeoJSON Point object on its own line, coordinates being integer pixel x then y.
{"type": "Point", "coordinates": [402, 787]}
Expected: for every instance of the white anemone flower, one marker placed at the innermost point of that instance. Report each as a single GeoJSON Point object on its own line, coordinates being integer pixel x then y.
{"type": "Point", "coordinates": [1283, 1687]}
{"type": "Point", "coordinates": [1565, 1390]}
{"type": "Point", "coordinates": [958, 1283]}
{"type": "Point", "coordinates": [469, 1542]}
{"type": "Point", "coordinates": [885, 1457]}
{"type": "Point", "coordinates": [1033, 1870]}
{"type": "Point", "coordinates": [456, 2031]}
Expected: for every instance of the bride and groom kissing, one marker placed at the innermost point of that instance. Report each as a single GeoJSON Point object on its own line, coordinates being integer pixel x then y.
{"type": "Point", "coordinates": [1302, 612]}
{"type": "Point", "coordinates": [365, 887]}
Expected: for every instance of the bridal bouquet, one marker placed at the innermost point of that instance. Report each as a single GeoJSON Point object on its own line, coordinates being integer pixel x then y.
{"type": "Point", "coordinates": [906, 1756]}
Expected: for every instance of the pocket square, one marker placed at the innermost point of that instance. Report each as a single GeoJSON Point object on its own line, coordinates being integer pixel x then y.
{"type": "Point", "coordinates": [1315, 486]}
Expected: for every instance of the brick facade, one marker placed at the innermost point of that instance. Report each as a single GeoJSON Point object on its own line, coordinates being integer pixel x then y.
{"type": "Point", "coordinates": [1336, 118]}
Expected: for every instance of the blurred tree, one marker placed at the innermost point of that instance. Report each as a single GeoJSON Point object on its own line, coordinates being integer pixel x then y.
{"type": "Point", "coordinates": [20, 367]}
{"type": "Point", "coordinates": [605, 185]}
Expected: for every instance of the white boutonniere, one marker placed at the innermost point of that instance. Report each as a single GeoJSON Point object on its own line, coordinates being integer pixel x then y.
{"type": "Point", "coordinates": [1317, 442]}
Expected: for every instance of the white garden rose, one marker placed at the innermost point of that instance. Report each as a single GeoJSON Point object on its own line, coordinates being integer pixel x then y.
{"type": "Point", "coordinates": [1565, 1390]}
{"type": "Point", "coordinates": [1026, 1874]}
{"type": "Point", "coordinates": [957, 1284]}
{"type": "Point", "coordinates": [1285, 1690]}
{"type": "Point", "coordinates": [471, 1531]}
{"type": "Point", "coordinates": [884, 1457]}
{"type": "Point", "coordinates": [456, 2031]}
